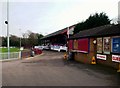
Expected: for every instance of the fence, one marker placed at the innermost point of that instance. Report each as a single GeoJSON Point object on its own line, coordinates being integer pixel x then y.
{"type": "Point", "coordinates": [12, 55]}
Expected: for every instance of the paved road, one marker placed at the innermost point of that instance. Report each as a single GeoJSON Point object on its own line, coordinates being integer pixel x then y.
{"type": "Point", "coordinates": [49, 69]}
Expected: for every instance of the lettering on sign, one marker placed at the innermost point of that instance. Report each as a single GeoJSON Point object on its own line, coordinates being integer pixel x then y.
{"type": "Point", "coordinates": [116, 58]}
{"type": "Point", "coordinates": [99, 56]}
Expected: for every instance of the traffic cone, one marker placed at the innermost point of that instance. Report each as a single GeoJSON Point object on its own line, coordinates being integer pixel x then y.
{"type": "Point", "coordinates": [118, 68]}
{"type": "Point", "coordinates": [65, 56]}
{"type": "Point", "coordinates": [93, 60]}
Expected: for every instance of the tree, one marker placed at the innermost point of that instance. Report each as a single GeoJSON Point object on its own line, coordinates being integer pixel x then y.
{"type": "Point", "coordinates": [4, 41]}
{"type": "Point", "coordinates": [14, 41]}
{"type": "Point", "coordinates": [39, 38]}
{"type": "Point", "coordinates": [92, 21]}
{"type": "Point", "coordinates": [28, 40]}
{"type": "Point", "coordinates": [31, 39]}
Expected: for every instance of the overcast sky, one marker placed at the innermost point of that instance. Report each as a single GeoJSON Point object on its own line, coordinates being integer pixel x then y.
{"type": "Point", "coordinates": [47, 16]}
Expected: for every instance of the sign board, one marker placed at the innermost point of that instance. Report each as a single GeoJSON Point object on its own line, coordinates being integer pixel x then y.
{"type": "Point", "coordinates": [99, 56]}
{"type": "Point", "coordinates": [116, 58]}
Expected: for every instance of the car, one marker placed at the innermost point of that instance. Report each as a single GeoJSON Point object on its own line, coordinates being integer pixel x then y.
{"type": "Point", "coordinates": [59, 48]}
{"type": "Point", "coordinates": [39, 47]}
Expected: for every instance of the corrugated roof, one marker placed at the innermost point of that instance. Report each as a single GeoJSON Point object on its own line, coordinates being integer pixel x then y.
{"type": "Point", "coordinates": [55, 33]}
{"type": "Point", "coordinates": [98, 31]}
{"type": "Point", "coordinates": [113, 30]}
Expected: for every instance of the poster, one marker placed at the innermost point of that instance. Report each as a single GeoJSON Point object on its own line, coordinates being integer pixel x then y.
{"type": "Point", "coordinates": [99, 45]}
{"type": "Point", "coordinates": [116, 45]}
{"type": "Point", "coordinates": [106, 45]}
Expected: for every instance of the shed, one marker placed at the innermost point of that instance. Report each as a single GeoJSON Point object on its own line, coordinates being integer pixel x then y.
{"type": "Point", "coordinates": [101, 42]}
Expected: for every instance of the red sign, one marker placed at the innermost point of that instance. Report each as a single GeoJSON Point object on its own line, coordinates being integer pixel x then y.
{"type": "Point", "coordinates": [116, 58]}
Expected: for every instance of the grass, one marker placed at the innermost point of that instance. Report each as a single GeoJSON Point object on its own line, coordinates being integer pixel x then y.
{"type": "Point", "coordinates": [3, 50]}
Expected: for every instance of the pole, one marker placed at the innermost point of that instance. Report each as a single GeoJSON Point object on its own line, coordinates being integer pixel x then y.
{"type": "Point", "coordinates": [20, 38]}
{"type": "Point", "coordinates": [68, 32]}
{"type": "Point", "coordinates": [8, 40]}
{"type": "Point", "coordinates": [20, 46]}
{"type": "Point", "coordinates": [67, 42]}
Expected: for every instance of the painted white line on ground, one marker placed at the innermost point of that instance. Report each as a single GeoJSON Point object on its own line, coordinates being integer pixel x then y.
{"type": "Point", "coordinates": [9, 59]}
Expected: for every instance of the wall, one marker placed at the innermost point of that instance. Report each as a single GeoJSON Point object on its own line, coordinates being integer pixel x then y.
{"type": "Point", "coordinates": [86, 57]}
{"type": "Point", "coordinates": [108, 61]}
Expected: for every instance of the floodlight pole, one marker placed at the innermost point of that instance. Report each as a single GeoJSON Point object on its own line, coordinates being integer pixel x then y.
{"type": "Point", "coordinates": [8, 40]}
{"type": "Point", "coordinates": [20, 38]}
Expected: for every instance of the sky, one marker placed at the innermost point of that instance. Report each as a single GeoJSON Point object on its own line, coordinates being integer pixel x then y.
{"type": "Point", "coordinates": [47, 16]}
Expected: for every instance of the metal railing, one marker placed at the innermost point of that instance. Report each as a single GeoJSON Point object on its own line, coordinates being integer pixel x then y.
{"type": "Point", "coordinates": [12, 55]}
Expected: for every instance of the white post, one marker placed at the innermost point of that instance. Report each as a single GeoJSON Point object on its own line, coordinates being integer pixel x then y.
{"type": "Point", "coordinates": [67, 42]}
{"type": "Point", "coordinates": [8, 43]}
{"type": "Point", "coordinates": [119, 12]}
{"type": "Point", "coordinates": [20, 56]}
{"type": "Point", "coordinates": [68, 32]}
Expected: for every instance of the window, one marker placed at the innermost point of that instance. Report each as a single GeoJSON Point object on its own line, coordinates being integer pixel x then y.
{"type": "Point", "coordinates": [116, 45]}
{"type": "Point", "coordinates": [99, 45]}
{"type": "Point", "coordinates": [75, 44]}
{"type": "Point", "coordinates": [83, 45]}
{"type": "Point", "coordinates": [106, 45]}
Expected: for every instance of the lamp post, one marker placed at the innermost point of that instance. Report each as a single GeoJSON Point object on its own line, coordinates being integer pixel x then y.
{"type": "Point", "coordinates": [7, 22]}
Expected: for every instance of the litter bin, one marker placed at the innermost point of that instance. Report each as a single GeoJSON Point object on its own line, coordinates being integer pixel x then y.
{"type": "Point", "coordinates": [70, 56]}
{"type": "Point", "coordinates": [32, 53]}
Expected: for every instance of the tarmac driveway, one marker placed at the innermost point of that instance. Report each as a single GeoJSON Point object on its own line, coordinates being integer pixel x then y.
{"type": "Point", "coordinates": [49, 69]}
